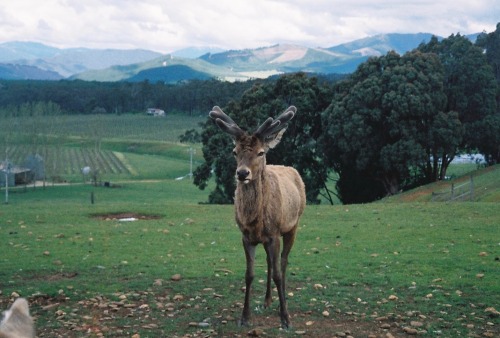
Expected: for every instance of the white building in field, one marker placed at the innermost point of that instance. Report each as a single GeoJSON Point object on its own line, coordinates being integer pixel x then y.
{"type": "Point", "coordinates": [155, 112]}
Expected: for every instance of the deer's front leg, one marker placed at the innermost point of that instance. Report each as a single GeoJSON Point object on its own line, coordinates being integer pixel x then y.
{"type": "Point", "coordinates": [273, 252]}
{"type": "Point", "coordinates": [249, 275]}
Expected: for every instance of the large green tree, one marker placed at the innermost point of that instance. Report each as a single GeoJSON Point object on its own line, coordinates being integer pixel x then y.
{"type": "Point", "coordinates": [298, 148]}
{"type": "Point", "coordinates": [387, 128]}
{"type": "Point", "coordinates": [471, 88]}
{"type": "Point", "coordinates": [491, 44]}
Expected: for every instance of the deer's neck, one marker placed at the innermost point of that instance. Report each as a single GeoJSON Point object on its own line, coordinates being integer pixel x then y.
{"type": "Point", "coordinates": [250, 201]}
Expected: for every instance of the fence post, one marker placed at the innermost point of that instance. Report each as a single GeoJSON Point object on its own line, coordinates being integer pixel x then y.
{"type": "Point", "coordinates": [471, 188]}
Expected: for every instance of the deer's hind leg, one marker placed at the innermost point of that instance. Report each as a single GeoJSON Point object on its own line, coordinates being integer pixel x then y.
{"type": "Point", "coordinates": [269, 298]}
{"type": "Point", "coordinates": [288, 240]}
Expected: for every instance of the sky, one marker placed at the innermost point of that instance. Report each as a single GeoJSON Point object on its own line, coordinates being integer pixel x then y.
{"type": "Point", "coordinates": [169, 25]}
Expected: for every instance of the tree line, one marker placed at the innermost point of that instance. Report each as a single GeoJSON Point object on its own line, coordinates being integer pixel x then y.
{"type": "Point", "coordinates": [82, 97]}
{"type": "Point", "coordinates": [395, 123]}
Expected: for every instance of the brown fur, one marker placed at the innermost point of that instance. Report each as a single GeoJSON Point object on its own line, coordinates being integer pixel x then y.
{"type": "Point", "coordinates": [17, 322]}
{"type": "Point", "coordinates": [269, 201]}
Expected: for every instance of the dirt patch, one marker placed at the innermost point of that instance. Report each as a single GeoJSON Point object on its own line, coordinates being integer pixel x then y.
{"type": "Point", "coordinates": [125, 216]}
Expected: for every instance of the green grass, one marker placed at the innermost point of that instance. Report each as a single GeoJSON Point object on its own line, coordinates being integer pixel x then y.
{"type": "Point", "coordinates": [361, 255]}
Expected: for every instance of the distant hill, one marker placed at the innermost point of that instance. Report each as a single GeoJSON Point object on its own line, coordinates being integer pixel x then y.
{"type": "Point", "coordinates": [21, 72]}
{"type": "Point", "coordinates": [69, 61]}
{"type": "Point", "coordinates": [126, 72]}
{"type": "Point", "coordinates": [18, 50]}
{"type": "Point", "coordinates": [196, 62]}
{"type": "Point", "coordinates": [381, 44]}
{"type": "Point", "coordinates": [195, 52]}
{"type": "Point", "coordinates": [169, 74]}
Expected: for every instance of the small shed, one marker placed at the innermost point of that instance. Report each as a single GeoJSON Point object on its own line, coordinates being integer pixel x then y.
{"type": "Point", "coordinates": [155, 112]}
{"type": "Point", "coordinates": [15, 174]}
{"type": "Point", "coordinates": [36, 164]}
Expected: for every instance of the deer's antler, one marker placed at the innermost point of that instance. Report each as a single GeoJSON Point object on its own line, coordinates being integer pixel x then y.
{"type": "Point", "coordinates": [225, 122]}
{"type": "Point", "coordinates": [271, 127]}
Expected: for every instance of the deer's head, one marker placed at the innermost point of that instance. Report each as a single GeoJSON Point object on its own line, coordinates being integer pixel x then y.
{"type": "Point", "coordinates": [250, 149]}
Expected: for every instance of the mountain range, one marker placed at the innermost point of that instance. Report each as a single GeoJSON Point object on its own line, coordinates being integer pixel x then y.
{"type": "Point", "coordinates": [31, 60]}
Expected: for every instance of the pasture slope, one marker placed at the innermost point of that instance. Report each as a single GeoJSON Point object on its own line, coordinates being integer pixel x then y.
{"type": "Point", "coordinates": [481, 185]}
{"type": "Point", "coordinates": [379, 270]}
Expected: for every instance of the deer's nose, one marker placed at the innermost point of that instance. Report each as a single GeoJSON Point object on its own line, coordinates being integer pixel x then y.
{"type": "Point", "coordinates": [242, 174]}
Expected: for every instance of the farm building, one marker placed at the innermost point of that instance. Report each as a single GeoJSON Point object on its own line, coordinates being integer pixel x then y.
{"type": "Point", "coordinates": [15, 175]}
{"type": "Point", "coordinates": [155, 112]}
{"type": "Point", "coordinates": [35, 163]}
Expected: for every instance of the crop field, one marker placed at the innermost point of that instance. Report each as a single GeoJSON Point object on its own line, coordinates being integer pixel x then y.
{"type": "Point", "coordinates": [147, 257]}
{"type": "Point", "coordinates": [70, 160]}
{"type": "Point", "coordinates": [110, 145]}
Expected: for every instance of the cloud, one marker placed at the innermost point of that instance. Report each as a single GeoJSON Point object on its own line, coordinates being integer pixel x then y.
{"type": "Point", "coordinates": [169, 25]}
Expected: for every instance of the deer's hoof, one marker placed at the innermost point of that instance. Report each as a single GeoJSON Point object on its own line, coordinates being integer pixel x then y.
{"type": "Point", "coordinates": [285, 324]}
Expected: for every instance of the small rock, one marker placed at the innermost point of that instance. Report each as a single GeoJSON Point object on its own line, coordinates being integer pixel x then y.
{"type": "Point", "coordinates": [255, 333]}
{"type": "Point", "coordinates": [136, 336]}
{"type": "Point", "coordinates": [14, 295]}
{"type": "Point", "coordinates": [416, 324]}
{"type": "Point", "coordinates": [492, 312]}
{"type": "Point", "coordinates": [326, 313]}
{"type": "Point", "coordinates": [410, 331]}
{"type": "Point", "coordinates": [393, 297]}
{"type": "Point", "coordinates": [158, 282]}
{"type": "Point", "coordinates": [203, 324]}
{"type": "Point", "coordinates": [480, 275]}
{"type": "Point", "coordinates": [178, 298]}
{"type": "Point", "coordinates": [46, 253]}
{"type": "Point", "coordinates": [318, 286]}
{"type": "Point", "coordinates": [385, 326]}
{"type": "Point", "coordinates": [177, 277]}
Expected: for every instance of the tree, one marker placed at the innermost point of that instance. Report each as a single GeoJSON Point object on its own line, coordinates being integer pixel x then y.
{"type": "Point", "coordinates": [299, 148]}
{"type": "Point", "coordinates": [386, 128]}
{"type": "Point", "coordinates": [491, 44]}
{"type": "Point", "coordinates": [471, 89]}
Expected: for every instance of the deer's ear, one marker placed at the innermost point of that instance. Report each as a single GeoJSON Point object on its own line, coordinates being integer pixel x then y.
{"type": "Point", "coordinates": [274, 139]}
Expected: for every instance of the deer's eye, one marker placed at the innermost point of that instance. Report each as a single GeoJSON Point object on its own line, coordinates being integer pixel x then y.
{"type": "Point", "coordinates": [261, 153]}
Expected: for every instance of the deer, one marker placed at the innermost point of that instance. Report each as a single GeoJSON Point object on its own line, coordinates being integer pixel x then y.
{"type": "Point", "coordinates": [17, 322]}
{"type": "Point", "coordinates": [269, 201]}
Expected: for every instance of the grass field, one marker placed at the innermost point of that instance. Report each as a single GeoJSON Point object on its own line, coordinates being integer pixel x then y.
{"type": "Point", "coordinates": [398, 267]}
{"type": "Point", "coordinates": [375, 268]}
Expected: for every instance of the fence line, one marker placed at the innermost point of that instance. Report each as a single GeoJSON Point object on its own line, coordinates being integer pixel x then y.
{"type": "Point", "coordinates": [462, 192]}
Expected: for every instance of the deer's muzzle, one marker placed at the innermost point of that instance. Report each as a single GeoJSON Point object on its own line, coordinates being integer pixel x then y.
{"type": "Point", "coordinates": [243, 175]}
